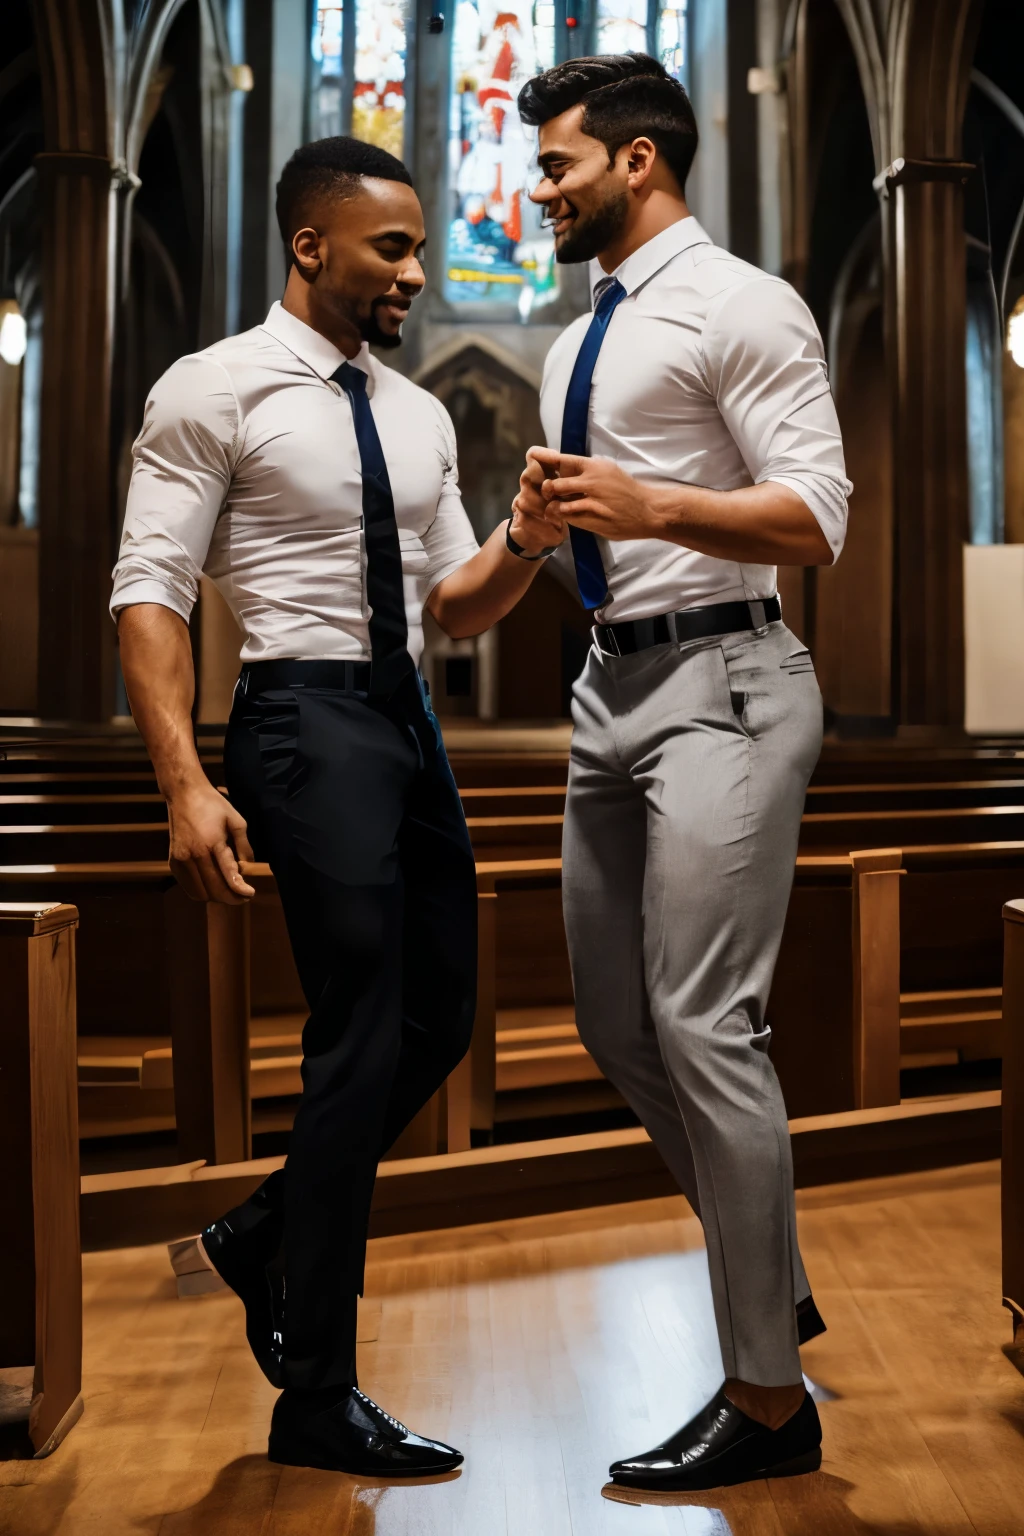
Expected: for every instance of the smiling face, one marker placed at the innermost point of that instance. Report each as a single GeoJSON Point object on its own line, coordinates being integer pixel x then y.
{"type": "Point", "coordinates": [361, 260]}
{"type": "Point", "coordinates": [587, 198]}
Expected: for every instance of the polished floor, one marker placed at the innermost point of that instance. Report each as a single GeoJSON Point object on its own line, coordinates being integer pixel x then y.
{"type": "Point", "coordinates": [546, 1347]}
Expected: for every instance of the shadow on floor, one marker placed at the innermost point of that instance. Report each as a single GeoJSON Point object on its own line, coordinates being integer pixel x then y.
{"type": "Point", "coordinates": [248, 1488]}
{"type": "Point", "coordinates": [822, 1493]}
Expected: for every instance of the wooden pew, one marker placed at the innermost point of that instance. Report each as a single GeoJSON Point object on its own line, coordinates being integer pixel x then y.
{"type": "Point", "coordinates": [951, 938]}
{"type": "Point", "coordinates": [833, 1010]}
{"type": "Point", "coordinates": [1013, 1123]}
{"type": "Point", "coordinates": [44, 808]}
{"type": "Point", "coordinates": [479, 770]}
{"type": "Point", "coordinates": [948, 794]}
{"type": "Point", "coordinates": [41, 1315]}
{"type": "Point", "coordinates": [148, 955]}
{"type": "Point", "coordinates": [133, 781]}
{"type": "Point", "coordinates": [501, 837]}
{"type": "Point", "coordinates": [891, 762]}
{"type": "Point", "coordinates": [117, 843]}
{"type": "Point", "coordinates": [838, 831]}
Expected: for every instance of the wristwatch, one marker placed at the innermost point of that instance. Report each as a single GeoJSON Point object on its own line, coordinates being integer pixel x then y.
{"type": "Point", "coordinates": [517, 549]}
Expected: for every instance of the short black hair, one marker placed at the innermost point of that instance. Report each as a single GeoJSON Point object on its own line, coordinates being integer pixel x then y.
{"type": "Point", "coordinates": [625, 96]}
{"type": "Point", "coordinates": [329, 167]}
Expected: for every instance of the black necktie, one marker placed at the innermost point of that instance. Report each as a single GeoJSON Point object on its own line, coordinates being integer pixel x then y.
{"type": "Point", "coordinates": [385, 592]}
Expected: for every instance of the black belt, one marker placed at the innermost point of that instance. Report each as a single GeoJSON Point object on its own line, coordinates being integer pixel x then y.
{"type": "Point", "coordinates": [691, 624]}
{"type": "Point", "coordinates": [351, 676]}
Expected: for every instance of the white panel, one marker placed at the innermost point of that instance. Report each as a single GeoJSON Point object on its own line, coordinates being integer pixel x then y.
{"type": "Point", "coordinates": [994, 639]}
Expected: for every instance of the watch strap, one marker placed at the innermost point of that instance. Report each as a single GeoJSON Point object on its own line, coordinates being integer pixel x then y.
{"type": "Point", "coordinates": [519, 551]}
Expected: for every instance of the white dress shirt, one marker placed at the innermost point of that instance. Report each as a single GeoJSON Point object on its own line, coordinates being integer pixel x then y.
{"type": "Point", "coordinates": [711, 373]}
{"type": "Point", "coordinates": [247, 470]}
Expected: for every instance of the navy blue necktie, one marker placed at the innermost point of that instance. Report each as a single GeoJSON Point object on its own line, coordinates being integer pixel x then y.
{"type": "Point", "coordinates": [590, 576]}
{"type": "Point", "coordinates": [385, 591]}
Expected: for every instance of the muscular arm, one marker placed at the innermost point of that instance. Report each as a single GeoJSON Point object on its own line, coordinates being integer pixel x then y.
{"type": "Point", "coordinates": [207, 834]}
{"type": "Point", "coordinates": [766, 524]}
{"type": "Point", "coordinates": [489, 585]}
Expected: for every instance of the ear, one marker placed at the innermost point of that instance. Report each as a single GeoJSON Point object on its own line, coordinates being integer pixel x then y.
{"type": "Point", "coordinates": [306, 251]}
{"type": "Point", "coordinates": [640, 157]}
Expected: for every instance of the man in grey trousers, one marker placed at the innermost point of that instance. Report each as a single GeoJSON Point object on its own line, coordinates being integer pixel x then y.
{"type": "Point", "coordinates": [693, 446]}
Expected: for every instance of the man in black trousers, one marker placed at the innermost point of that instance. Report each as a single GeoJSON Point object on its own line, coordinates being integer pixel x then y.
{"type": "Point", "coordinates": [318, 489]}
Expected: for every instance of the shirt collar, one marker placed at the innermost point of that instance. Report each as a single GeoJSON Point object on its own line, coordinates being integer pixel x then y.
{"type": "Point", "coordinates": [650, 257]}
{"type": "Point", "coordinates": [309, 346]}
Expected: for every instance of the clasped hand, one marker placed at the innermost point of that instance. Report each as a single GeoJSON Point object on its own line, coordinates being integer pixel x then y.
{"type": "Point", "coordinates": [559, 488]}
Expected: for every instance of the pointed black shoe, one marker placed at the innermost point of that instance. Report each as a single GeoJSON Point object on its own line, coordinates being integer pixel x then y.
{"type": "Point", "coordinates": [352, 1435]}
{"type": "Point", "coordinates": [722, 1446]}
{"type": "Point", "coordinates": [241, 1264]}
{"type": "Point", "coordinates": [809, 1321]}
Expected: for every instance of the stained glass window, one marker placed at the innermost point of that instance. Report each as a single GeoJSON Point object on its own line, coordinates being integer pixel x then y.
{"type": "Point", "coordinates": [672, 44]}
{"type": "Point", "coordinates": [621, 26]}
{"type": "Point", "coordinates": [496, 247]}
{"type": "Point", "coordinates": [358, 82]}
{"type": "Point", "coordinates": [378, 90]}
{"type": "Point", "coordinates": [326, 97]}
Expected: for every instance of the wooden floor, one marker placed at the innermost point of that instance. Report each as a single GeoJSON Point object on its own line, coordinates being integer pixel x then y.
{"type": "Point", "coordinates": [546, 1347]}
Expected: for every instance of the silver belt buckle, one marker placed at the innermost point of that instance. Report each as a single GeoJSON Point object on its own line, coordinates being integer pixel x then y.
{"type": "Point", "coordinates": [612, 648]}
{"type": "Point", "coordinates": [757, 614]}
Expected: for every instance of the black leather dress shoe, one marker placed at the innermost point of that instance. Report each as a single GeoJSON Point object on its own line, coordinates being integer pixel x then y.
{"type": "Point", "coordinates": [722, 1446]}
{"type": "Point", "coordinates": [241, 1263]}
{"type": "Point", "coordinates": [352, 1435]}
{"type": "Point", "coordinates": [809, 1321]}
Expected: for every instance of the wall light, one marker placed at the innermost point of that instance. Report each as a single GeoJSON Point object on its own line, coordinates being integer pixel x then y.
{"type": "Point", "coordinates": [14, 338]}
{"type": "Point", "coordinates": [1015, 334]}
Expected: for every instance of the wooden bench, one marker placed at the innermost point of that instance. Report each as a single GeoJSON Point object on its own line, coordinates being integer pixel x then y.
{"type": "Point", "coordinates": [943, 794]}
{"type": "Point", "coordinates": [95, 843]}
{"type": "Point", "coordinates": [834, 1006]}
{"type": "Point", "coordinates": [41, 1315]}
{"type": "Point", "coordinates": [149, 955]}
{"type": "Point", "coordinates": [951, 947]}
{"type": "Point", "coordinates": [891, 762]}
{"type": "Point", "coordinates": [41, 808]}
{"type": "Point", "coordinates": [186, 970]}
{"type": "Point", "coordinates": [133, 781]}
{"type": "Point", "coordinates": [838, 831]}
{"type": "Point", "coordinates": [1013, 1122]}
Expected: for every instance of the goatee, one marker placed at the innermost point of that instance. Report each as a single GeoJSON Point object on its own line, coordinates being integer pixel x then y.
{"type": "Point", "coordinates": [587, 238]}
{"type": "Point", "coordinates": [371, 331]}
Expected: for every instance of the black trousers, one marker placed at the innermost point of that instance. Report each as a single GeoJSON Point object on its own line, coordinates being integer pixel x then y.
{"type": "Point", "coordinates": [351, 801]}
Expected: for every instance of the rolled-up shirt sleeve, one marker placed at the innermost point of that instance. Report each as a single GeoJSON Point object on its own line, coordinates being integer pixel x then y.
{"type": "Point", "coordinates": [183, 460]}
{"type": "Point", "coordinates": [765, 365]}
{"type": "Point", "coordinates": [450, 540]}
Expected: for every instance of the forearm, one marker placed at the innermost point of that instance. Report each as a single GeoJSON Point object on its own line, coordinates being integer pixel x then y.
{"type": "Point", "coordinates": [766, 524]}
{"type": "Point", "coordinates": [483, 590]}
{"type": "Point", "coordinates": [156, 660]}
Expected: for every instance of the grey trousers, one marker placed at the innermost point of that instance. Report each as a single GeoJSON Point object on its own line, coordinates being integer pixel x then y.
{"type": "Point", "coordinates": [686, 785]}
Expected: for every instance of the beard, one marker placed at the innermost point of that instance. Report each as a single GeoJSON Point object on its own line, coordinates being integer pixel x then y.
{"type": "Point", "coordinates": [370, 330]}
{"type": "Point", "coordinates": [588, 236]}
